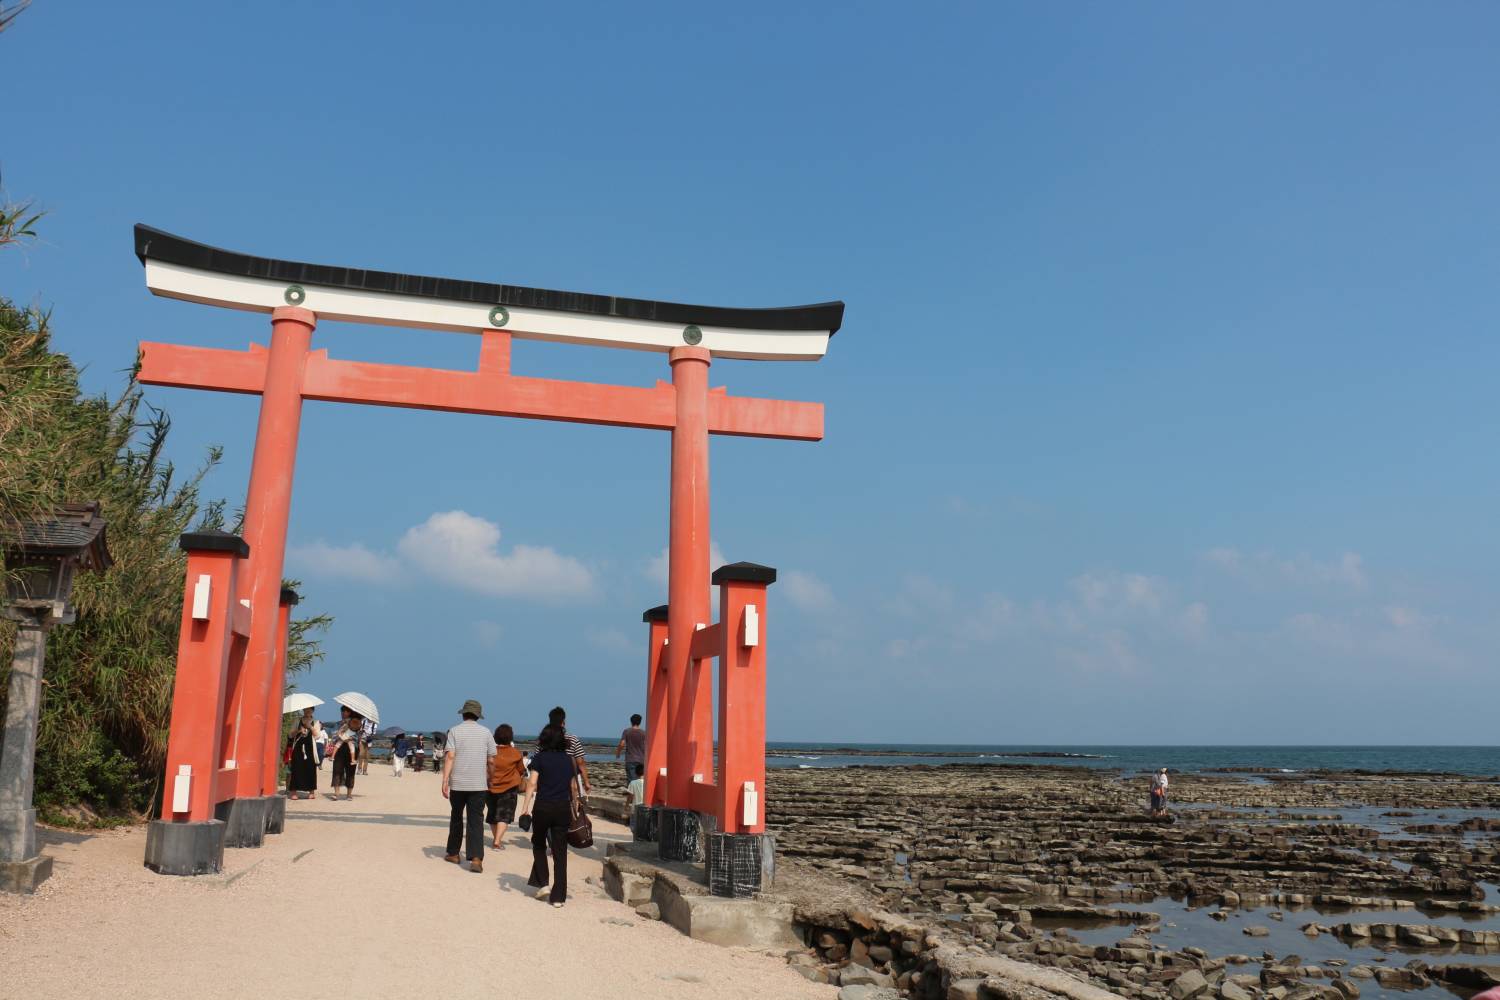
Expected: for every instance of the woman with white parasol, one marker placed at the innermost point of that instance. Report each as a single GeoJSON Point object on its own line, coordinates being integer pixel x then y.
{"type": "Point", "coordinates": [357, 708]}
{"type": "Point", "coordinates": [302, 751]}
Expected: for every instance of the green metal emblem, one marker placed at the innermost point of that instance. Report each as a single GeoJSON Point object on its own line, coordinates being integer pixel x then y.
{"type": "Point", "coordinates": [692, 336]}
{"type": "Point", "coordinates": [499, 316]}
{"type": "Point", "coordinates": [295, 295]}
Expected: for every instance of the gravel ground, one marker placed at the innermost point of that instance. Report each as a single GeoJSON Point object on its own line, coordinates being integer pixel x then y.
{"type": "Point", "coordinates": [357, 893]}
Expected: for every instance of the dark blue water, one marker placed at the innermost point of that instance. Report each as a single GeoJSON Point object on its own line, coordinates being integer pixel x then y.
{"type": "Point", "coordinates": [1458, 760]}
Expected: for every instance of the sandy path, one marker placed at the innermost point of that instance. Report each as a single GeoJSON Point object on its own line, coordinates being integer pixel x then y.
{"type": "Point", "coordinates": [357, 888]}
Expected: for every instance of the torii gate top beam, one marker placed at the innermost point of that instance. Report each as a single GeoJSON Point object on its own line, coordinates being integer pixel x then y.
{"type": "Point", "coordinates": [183, 269]}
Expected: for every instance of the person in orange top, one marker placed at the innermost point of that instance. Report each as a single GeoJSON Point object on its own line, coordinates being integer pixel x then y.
{"type": "Point", "coordinates": [507, 775]}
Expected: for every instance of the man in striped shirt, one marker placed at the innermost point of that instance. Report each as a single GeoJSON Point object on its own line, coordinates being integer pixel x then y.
{"type": "Point", "coordinates": [466, 783]}
{"type": "Point", "coordinates": [574, 747]}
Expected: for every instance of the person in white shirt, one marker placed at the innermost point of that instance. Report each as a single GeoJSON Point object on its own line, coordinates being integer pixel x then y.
{"type": "Point", "coordinates": [635, 792]}
{"type": "Point", "coordinates": [1159, 793]}
{"type": "Point", "coordinates": [466, 784]}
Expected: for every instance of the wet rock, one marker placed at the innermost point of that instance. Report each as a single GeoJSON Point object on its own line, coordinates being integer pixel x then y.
{"type": "Point", "coordinates": [1257, 931]}
{"type": "Point", "coordinates": [1188, 985]}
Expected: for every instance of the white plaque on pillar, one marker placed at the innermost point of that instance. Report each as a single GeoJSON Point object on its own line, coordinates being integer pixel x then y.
{"type": "Point", "coordinates": [752, 804]}
{"type": "Point", "coordinates": [202, 592]}
{"type": "Point", "coordinates": [752, 626]}
{"type": "Point", "coordinates": [182, 789]}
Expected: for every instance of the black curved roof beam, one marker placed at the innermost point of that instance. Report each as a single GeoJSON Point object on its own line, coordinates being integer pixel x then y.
{"type": "Point", "coordinates": [183, 269]}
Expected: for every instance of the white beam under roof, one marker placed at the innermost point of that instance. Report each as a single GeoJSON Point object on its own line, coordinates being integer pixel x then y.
{"type": "Point", "coordinates": [236, 281]}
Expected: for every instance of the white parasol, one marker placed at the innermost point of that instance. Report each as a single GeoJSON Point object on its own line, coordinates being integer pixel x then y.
{"type": "Point", "coordinates": [299, 700]}
{"type": "Point", "coordinates": [360, 704]}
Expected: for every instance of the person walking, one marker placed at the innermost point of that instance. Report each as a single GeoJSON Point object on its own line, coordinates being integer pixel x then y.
{"type": "Point", "coordinates": [320, 744]}
{"type": "Point", "coordinates": [345, 755]}
{"type": "Point", "coordinates": [302, 766]}
{"type": "Point", "coordinates": [551, 801]}
{"type": "Point", "coordinates": [507, 775]}
{"type": "Point", "coordinates": [399, 749]}
{"type": "Point", "coordinates": [633, 746]}
{"type": "Point", "coordinates": [572, 745]}
{"type": "Point", "coordinates": [466, 765]}
{"type": "Point", "coordinates": [366, 735]}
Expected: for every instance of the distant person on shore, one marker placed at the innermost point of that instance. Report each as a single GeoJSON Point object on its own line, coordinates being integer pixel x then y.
{"type": "Point", "coordinates": [345, 756]}
{"type": "Point", "coordinates": [635, 792]}
{"type": "Point", "coordinates": [633, 746]}
{"type": "Point", "coordinates": [399, 749]}
{"type": "Point", "coordinates": [1159, 793]}
{"type": "Point", "coordinates": [507, 776]}
{"type": "Point", "coordinates": [466, 783]}
{"type": "Point", "coordinates": [572, 746]}
{"type": "Point", "coordinates": [302, 766]}
{"type": "Point", "coordinates": [366, 735]}
{"type": "Point", "coordinates": [418, 752]}
{"type": "Point", "coordinates": [551, 799]}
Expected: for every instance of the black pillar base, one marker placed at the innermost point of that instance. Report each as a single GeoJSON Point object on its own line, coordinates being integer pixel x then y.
{"type": "Point", "coordinates": [275, 813]}
{"type": "Point", "coordinates": [643, 823]}
{"type": "Point", "coordinates": [740, 864]}
{"type": "Point", "coordinates": [185, 848]}
{"type": "Point", "coordinates": [679, 834]}
{"type": "Point", "coordinates": [244, 820]}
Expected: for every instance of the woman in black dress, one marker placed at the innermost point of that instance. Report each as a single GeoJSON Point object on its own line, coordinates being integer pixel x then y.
{"type": "Point", "coordinates": [302, 769]}
{"type": "Point", "coordinates": [551, 795]}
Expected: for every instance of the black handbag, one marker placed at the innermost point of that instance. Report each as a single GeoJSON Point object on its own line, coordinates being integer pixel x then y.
{"type": "Point", "coordinates": [581, 830]}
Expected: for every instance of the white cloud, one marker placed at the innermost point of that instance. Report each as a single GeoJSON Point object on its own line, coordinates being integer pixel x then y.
{"type": "Point", "coordinates": [488, 634]}
{"type": "Point", "coordinates": [458, 548]}
{"type": "Point", "coordinates": [1346, 570]}
{"type": "Point", "coordinates": [348, 562]}
{"type": "Point", "coordinates": [806, 591]}
{"type": "Point", "coordinates": [656, 569]}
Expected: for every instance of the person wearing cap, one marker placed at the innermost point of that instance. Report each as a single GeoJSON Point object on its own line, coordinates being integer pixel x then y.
{"type": "Point", "coordinates": [466, 784]}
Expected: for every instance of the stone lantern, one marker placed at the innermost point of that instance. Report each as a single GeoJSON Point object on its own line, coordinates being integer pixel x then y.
{"type": "Point", "coordinates": [41, 556]}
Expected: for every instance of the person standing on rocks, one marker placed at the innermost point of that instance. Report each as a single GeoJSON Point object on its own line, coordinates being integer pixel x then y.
{"type": "Point", "coordinates": [466, 783]}
{"type": "Point", "coordinates": [633, 746]}
{"type": "Point", "coordinates": [1159, 793]}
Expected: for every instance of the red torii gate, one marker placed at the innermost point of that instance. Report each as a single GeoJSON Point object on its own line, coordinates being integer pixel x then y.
{"type": "Point", "coordinates": [222, 753]}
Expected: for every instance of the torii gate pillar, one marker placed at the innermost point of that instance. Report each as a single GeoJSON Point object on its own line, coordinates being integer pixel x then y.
{"type": "Point", "coordinates": [689, 696]}
{"type": "Point", "coordinates": [255, 707]}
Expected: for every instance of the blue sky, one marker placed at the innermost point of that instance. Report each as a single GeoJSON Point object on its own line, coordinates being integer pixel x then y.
{"type": "Point", "coordinates": [1163, 411]}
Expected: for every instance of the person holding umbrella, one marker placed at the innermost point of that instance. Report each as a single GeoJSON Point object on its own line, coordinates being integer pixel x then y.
{"type": "Point", "coordinates": [346, 754]}
{"type": "Point", "coordinates": [302, 761]}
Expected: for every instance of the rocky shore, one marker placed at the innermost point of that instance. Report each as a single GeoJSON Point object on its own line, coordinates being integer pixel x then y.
{"type": "Point", "coordinates": [1311, 886]}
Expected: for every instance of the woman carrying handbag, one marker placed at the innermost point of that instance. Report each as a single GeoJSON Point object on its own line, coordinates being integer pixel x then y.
{"type": "Point", "coordinates": [552, 804]}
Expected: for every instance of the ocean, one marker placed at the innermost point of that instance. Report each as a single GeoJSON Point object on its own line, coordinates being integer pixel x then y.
{"type": "Point", "coordinates": [1469, 760]}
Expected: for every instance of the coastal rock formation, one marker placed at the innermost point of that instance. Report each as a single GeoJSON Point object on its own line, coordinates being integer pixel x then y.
{"type": "Point", "coordinates": [1029, 862]}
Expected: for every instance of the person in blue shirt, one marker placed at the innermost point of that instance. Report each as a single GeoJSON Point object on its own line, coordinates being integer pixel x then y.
{"type": "Point", "coordinates": [398, 754]}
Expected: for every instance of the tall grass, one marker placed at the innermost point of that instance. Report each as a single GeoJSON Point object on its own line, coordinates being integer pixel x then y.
{"type": "Point", "coordinates": [108, 677]}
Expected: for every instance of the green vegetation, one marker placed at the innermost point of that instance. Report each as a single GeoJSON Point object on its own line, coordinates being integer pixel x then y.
{"type": "Point", "coordinates": [103, 735]}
